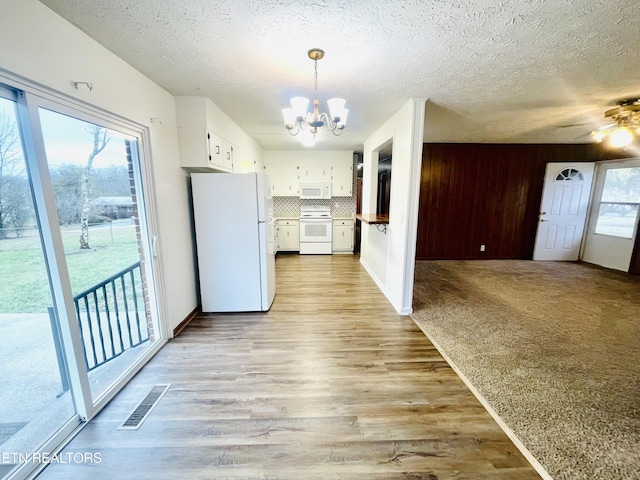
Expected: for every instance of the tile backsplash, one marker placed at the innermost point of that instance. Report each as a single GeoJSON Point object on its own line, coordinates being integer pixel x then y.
{"type": "Point", "coordinates": [340, 206]}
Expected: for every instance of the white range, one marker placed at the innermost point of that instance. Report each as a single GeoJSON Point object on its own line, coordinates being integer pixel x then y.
{"type": "Point", "coordinates": [316, 229]}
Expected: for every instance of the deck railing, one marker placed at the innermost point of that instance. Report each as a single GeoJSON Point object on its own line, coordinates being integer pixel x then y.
{"type": "Point", "coordinates": [111, 316]}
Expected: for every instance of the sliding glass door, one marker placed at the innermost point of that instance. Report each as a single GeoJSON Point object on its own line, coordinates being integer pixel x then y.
{"type": "Point", "coordinates": [78, 311]}
{"type": "Point", "coordinates": [93, 175]}
{"type": "Point", "coordinates": [35, 399]}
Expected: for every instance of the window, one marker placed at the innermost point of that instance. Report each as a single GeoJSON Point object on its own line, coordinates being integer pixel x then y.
{"type": "Point", "coordinates": [569, 174]}
{"type": "Point", "coordinates": [618, 209]}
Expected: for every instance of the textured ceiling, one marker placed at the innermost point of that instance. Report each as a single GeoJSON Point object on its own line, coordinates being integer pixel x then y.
{"type": "Point", "coordinates": [494, 71]}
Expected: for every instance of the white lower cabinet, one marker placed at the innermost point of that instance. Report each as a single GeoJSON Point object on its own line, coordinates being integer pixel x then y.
{"type": "Point", "coordinates": [288, 236]}
{"type": "Point", "coordinates": [343, 236]}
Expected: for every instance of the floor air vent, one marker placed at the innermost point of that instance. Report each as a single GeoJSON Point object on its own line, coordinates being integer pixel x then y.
{"type": "Point", "coordinates": [142, 411]}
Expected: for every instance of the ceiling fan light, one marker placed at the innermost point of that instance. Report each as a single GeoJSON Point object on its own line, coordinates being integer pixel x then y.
{"type": "Point", "coordinates": [300, 105]}
{"type": "Point", "coordinates": [620, 137]}
{"type": "Point", "coordinates": [599, 135]}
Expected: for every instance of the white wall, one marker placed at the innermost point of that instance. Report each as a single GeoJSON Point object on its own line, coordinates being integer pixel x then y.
{"type": "Point", "coordinates": [40, 46]}
{"type": "Point", "coordinates": [389, 256]}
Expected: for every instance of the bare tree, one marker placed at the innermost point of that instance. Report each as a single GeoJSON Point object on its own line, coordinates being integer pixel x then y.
{"type": "Point", "coordinates": [100, 140]}
{"type": "Point", "coordinates": [66, 189]}
{"type": "Point", "coordinates": [12, 171]}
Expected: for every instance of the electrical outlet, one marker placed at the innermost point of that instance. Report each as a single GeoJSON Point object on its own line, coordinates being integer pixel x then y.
{"type": "Point", "coordinates": [483, 247]}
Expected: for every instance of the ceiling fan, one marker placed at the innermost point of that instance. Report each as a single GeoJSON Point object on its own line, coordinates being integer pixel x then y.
{"type": "Point", "coordinates": [624, 127]}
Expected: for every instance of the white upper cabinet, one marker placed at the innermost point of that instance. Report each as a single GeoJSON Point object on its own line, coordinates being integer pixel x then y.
{"type": "Point", "coordinates": [244, 163]}
{"type": "Point", "coordinates": [342, 177]}
{"type": "Point", "coordinates": [210, 141]}
{"type": "Point", "coordinates": [288, 168]}
{"type": "Point", "coordinates": [284, 173]}
{"type": "Point", "coordinates": [314, 170]}
{"type": "Point", "coordinates": [200, 148]}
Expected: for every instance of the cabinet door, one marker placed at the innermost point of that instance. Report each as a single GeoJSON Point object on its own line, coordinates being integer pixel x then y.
{"type": "Point", "coordinates": [289, 236]}
{"type": "Point", "coordinates": [200, 148]}
{"type": "Point", "coordinates": [271, 169]}
{"type": "Point", "coordinates": [214, 143]}
{"type": "Point", "coordinates": [307, 170]}
{"type": "Point", "coordinates": [343, 236]}
{"type": "Point", "coordinates": [285, 176]}
{"type": "Point", "coordinates": [227, 155]}
{"type": "Point", "coordinates": [323, 171]}
{"type": "Point", "coordinates": [342, 178]}
{"type": "Point", "coordinates": [291, 173]}
{"type": "Point", "coordinates": [315, 169]}
{"type": "Point", "coordinates": [194, 149]}
{"type": "Point", "coordinates": [243, 162]}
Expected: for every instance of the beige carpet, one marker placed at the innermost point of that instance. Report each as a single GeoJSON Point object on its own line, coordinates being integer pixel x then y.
{"type": "Point", "coordinates": [553, 347]}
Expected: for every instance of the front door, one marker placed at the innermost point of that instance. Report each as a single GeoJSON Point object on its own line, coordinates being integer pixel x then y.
{"type": "Point", "coordinates": [563, 211]}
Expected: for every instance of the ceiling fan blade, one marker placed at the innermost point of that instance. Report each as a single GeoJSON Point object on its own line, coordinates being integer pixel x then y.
{"type": "Point", "coordinates": [570, 125]}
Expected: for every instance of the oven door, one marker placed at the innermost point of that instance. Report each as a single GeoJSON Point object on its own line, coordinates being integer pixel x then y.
{"type": "Point", "coordinates": [315, 230]}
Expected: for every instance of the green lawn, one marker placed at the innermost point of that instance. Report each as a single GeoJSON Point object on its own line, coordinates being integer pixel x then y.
{"type": "Point", "coordinates": [24, 286]}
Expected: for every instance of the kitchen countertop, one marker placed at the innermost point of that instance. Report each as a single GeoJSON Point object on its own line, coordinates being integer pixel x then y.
{"type": "Point", "coordinates": [373, 219]}
{"type": "Point", "coordinates": [296, 216]}
{"type": "Point", "coordinates": [286, 216]}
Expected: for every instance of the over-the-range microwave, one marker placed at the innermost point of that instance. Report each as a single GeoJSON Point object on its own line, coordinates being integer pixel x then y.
{"type": "Point", "coordinates": [315, 190]}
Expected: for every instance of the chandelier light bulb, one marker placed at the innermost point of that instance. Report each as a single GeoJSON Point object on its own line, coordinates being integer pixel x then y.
{"type": "Point", "coordinates": [300, 105]}
{"type": "Point", "coordinates": [343, 118]}
{"type": "Point", "coordinates": [336, 106]}
{"type": "Point", "coordinates": [289, 117]}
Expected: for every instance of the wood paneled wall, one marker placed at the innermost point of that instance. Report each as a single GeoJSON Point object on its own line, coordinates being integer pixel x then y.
{"type": "Point", "coordinates": [474, 194]}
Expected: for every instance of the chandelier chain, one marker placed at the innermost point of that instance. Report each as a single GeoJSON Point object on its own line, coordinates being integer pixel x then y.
{"type": "Point", "coordinates": [315, 78]}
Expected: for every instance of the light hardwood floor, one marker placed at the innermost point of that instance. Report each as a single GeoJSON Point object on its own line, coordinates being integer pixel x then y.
{"type": "Point", "coordinates": [329, 384]}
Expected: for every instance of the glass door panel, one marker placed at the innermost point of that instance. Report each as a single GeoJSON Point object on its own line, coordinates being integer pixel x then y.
{"type": "Point", "coordinates": [619, 202]}
{"type": "Point", "coordinates": [94, 174]}
{"type": "Point", "coordinates": [613, 224]}
{"type": "Point", "coordinates": [35, 395]}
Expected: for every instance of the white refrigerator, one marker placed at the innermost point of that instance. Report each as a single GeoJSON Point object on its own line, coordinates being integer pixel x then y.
{"type": "Point", "coordinates": [233, 216]}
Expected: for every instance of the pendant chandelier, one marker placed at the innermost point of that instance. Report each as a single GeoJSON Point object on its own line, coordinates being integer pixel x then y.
{"type": "Point", "coordinates": [297, 118]}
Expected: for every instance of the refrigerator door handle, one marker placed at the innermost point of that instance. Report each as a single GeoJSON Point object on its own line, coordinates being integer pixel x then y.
{"type": "Point", "coordinates": [154, 246]}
